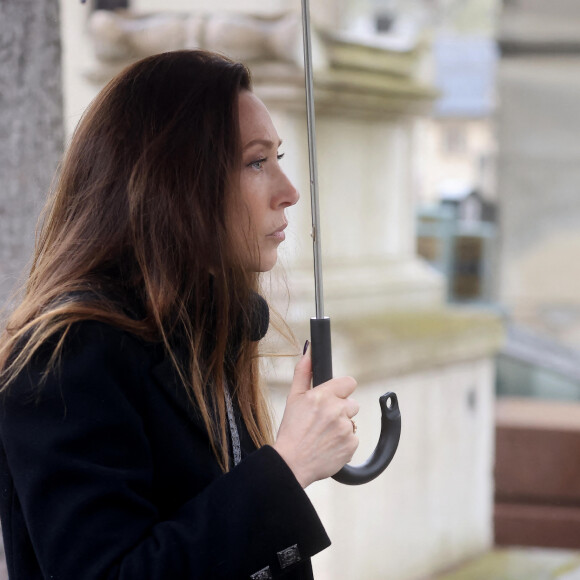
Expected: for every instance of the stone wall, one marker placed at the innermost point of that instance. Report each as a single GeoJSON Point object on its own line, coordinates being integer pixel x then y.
{"type": "Point", "coordinates": [31, 126]}
{"type": "Point", "coordinates": [538, 171]}
{"type": "Point", "coordinates": [433, 506]}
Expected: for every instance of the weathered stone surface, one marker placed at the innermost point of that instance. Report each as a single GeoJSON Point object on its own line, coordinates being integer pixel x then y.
{"type": "Point", "coordinates": [352, 76]}
{"type": "Point", "coordinates": [126, 36]}
{"type": "Point", "coordinates": [537, 26]}
{"type": "Point", "coordinates": [31, 125]}
{"type": "Point", "coordinates": [538, 171]}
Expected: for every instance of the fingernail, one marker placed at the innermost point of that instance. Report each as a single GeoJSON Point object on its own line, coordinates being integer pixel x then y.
{"type": "Point", "coordinates": [306, 345]}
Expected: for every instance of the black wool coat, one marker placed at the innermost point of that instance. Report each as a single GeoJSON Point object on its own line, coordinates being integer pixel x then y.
{"type": "Point", "coordinates": [106, 472]}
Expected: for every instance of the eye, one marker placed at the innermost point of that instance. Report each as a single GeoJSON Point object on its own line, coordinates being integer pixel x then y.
{"type": "Point", "coordinates": [258, 164]}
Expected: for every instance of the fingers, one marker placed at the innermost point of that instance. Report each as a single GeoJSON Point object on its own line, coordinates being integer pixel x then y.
{"type": "Point", "coordinates": [342, 387]}
{"type": "Point", "coordinates": [324, 402]}
{"type": "Point", "coordinates": [302, 374]}
{"type": "Point", "coordinates": [338, 388]}
{"type": "Point", "coordinates": [351, 408]}
{"type": "Point", "coordinates": [317, 436]}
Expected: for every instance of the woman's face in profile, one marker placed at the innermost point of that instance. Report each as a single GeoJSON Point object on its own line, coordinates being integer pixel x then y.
{"type": "Point", "coordinates": [265, 190]}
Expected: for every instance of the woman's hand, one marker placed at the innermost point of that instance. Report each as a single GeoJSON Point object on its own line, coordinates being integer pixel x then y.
{"type": "Point", "coordinates": [316, 437]}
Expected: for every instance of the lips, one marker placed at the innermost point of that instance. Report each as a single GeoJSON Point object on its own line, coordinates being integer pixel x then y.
{"type": "Point", "coordinates": [279, 234]}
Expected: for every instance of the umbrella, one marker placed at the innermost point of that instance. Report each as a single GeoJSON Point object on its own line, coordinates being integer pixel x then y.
{"type": "Point", "coordinates": [320, 325]}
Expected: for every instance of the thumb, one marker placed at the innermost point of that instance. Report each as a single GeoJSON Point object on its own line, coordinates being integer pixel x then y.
{"type": "Point", "coordinates": [303, 373]}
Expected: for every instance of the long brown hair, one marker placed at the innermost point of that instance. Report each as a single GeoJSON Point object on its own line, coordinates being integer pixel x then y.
{"type": "Point", "coordinates": [139, 215]}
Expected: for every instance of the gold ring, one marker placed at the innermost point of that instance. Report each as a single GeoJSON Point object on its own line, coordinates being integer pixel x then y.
{"type": "Point", "coordinates": [353, 426]}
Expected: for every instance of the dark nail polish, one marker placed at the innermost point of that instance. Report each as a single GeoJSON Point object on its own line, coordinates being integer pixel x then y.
{"type": "Point", "coordinates": [306, 344]}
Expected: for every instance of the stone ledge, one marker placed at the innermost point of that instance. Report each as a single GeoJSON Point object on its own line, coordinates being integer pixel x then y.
{"type": "Point", "coordinates": [350, 77]}
{"type": "Point", "coordinates": [543, 32]}
{"type": "Point", "coordinates": [548, 526]}
{"type": "Point", "coordinates": [537, 444]}
{"type": "Point", "coordinates": [354, 93]}
{"type": "Point", "coordinates": [362, 287]}
{"type": "Point", "coordinates": [395, 343]}
{"type": "Point", "coordinates": [545, 415]}
{"type": "Point", "coordinates": [390, 344]}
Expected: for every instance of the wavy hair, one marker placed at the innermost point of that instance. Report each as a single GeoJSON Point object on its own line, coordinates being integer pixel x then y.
{"type": "Point", "coordinates": [138, 216]}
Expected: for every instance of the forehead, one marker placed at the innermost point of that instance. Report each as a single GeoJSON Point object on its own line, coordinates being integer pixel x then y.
{"type": "Point", "coordinates": [255, 121]}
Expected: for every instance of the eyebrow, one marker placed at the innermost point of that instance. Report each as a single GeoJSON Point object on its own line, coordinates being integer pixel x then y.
{"type": "Point", "coordinates": [265, 142]}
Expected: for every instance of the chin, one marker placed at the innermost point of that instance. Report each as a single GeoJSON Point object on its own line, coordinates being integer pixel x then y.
{"type": "Point", "coordinates": [266, 267]}
{"type": "Point", "coordinates": [267, 262]}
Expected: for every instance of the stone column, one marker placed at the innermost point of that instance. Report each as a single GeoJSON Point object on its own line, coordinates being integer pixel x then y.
{"type": "Point", "coordinates": [367, 104]}
{"type": "Point", "coordinates": [538, 170]}
{"type": "Point", "coordinates": [31, 126]}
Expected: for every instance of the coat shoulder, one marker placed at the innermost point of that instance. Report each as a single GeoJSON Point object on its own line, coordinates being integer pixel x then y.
{"type": "Point", "coordinates": [86, 348]}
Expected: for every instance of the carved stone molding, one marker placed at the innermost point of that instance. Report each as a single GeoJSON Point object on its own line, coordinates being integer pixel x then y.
{"type": "Point", "coordinates": [352, 76]}
{"type": "Point", "coordinates": [122, 37]}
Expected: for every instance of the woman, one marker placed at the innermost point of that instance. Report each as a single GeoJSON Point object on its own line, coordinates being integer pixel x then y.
{"type": "Point", "coordinates": [136, 443]}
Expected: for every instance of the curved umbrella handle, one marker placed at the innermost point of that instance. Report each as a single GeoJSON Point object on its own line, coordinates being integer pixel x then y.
{"type": "Point", "coordinates": [390, 413]}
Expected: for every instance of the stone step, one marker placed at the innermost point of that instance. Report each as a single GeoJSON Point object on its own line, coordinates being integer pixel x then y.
{"type": "Point", "coordinates": [519, 564]}
{"type": "Point", "coordinates": [537, 525]}
{"type": "Point", "coordinates": [537, 451]}
{"type": "Point", "coordinates": [537, 473]}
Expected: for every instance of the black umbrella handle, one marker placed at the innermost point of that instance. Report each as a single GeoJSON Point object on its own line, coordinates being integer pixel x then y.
{"type": "Point", "coordinates": [390, 413]}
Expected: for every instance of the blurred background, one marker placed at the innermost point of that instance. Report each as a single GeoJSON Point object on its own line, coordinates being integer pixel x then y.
{"type": "Point", "coordinates": [449, 156]}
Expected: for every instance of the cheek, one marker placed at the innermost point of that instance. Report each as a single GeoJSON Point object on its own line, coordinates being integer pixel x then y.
{"type": "Point", "coordinates": [241, 212]}
{"type": "Point", "coordinates": [255, 208]}
{"type": "Point", "coordinates": [246, 223]}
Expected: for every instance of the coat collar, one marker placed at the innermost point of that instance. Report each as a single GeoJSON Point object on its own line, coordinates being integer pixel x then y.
{"type": "Point", "coordinates": [168, 378]}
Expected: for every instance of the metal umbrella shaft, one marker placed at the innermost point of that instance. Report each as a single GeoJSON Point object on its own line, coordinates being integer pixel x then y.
{"type": "Point", "coordinates": [320, 325]}
{"type": "Point", "coordinates": [312, 158]}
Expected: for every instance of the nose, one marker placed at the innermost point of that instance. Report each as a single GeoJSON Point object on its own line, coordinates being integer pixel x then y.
{"type": "Point", "coordinates": [287, 195]}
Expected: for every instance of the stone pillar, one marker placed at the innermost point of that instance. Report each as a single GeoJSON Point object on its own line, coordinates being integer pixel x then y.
{"type": "Point", "coordinates": [31, 129]}
{"type": "Point", "coordinates": [538, 170]}
{"type": "Point", "coordinates": [367, 104]}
